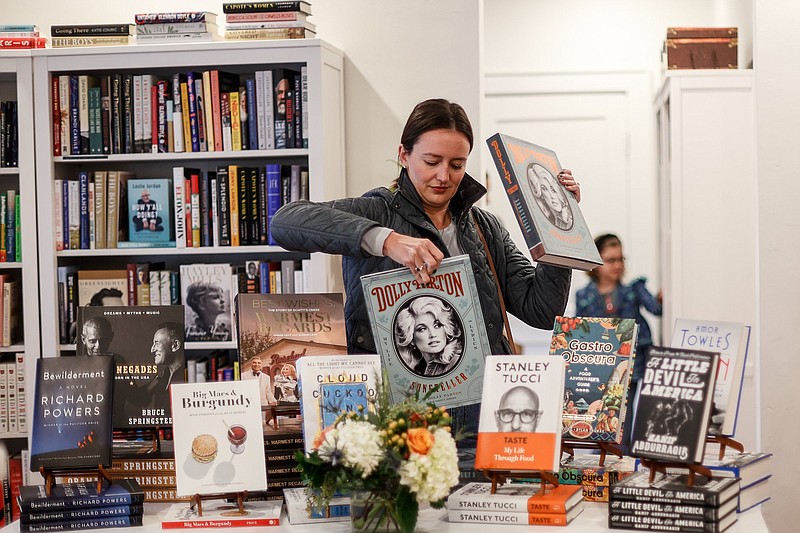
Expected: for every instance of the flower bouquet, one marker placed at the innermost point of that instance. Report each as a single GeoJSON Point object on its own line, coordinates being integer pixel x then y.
{"type": "Point", "coordinates": [390, 461]}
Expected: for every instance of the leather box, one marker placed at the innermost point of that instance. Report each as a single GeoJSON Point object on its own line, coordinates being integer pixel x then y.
{"type": "Point", "coordinates": [699, 48]}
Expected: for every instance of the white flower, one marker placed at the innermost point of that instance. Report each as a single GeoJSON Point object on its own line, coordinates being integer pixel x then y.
{"type": "Point", "coordinates": [431, 476]}
{"type": "Point", "coordinates": [354, 444]}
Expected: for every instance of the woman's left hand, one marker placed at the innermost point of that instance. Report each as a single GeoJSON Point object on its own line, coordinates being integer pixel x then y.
{"type": "Point", "coordinates": [566, 179]}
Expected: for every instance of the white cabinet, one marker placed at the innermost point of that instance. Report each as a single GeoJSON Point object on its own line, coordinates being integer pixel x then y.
{"type": "Point", "coordinates": [324, 156]}
{"type": "Point", "coordinates": [709, 210]}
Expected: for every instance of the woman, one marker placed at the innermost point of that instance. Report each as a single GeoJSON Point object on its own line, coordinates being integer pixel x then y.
{"type": "Point", "coordinates": [286, 384]}
{"type": "Point", "coordinates": [426, 215]}
{"type": "Point", "coordinates": [428, 336]}
{"type": "Point", "coordinates": [208, 303]}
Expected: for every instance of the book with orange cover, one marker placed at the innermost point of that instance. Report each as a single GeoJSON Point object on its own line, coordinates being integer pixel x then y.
{"type": "Point", "coordinates": [522, 498]}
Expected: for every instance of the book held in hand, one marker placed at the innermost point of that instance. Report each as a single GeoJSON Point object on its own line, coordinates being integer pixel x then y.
{"type": "Point", "coordinates": [731, 340]}
{"type": "Point", "coordinates": [72, 414]}
{"type": "Point", "coordinates": [599, 356]}
{"type": "Point", "coordinates": [674, 405]}
{"type": "Point", "coordinates": [429, 336]}
{"type": "Point", "coordinates": [554, 228]}
{"type": "Point", "coordinates": [520, 420]}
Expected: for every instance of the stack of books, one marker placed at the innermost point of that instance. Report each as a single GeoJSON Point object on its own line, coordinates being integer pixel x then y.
{"type": "Point", "coordinates": [670, 504]}
{"type": "Point", "coordinates": [80, 506]}
{"type": "Point", "coordinates": [585, 470]}
{"type": "Point", "coordinates": [246, 21]}
{"type": "Point", "coordinates": [516, 503]}
{"type": "Point", "coordinates": [299, 512]}
{"type": "Point", "coordinates": [191, 26]}
{"type": "Point", "coordinates": [80, 35]}
{"type": "Point", "coordinates": [20, 36]}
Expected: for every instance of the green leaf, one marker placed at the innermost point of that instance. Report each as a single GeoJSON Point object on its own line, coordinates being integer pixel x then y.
{"type": "Point", "coordinates": [407, 510]}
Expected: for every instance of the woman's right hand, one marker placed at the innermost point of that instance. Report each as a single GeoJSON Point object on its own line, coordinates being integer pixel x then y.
{"type": "Point", "coordinates": [421, 256]}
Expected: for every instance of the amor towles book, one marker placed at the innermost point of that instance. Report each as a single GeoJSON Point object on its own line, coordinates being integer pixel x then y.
{"type": "Point", "coordinates": [429, 336]}
{"type": "Point", "coordinates": [598, 353]}
{"type": "Point", "coordinates": [554, 228]}
{"type": "Point", "coordinates": [148, 349]}
{"type": "Point", "coordinates": [72, 412]}
{"type": "Point", "coordinates": [674, 405]}
{"type": "Point", "coordinates": [731, 340]}
{"type": "Point", "coordinates": [219, 442]}
{"type": "Point", "coordinates": [520, 420]}
{"type": "Point", "coordinates": [206, 294]}
{"type": "Point", "coordinates": [222, 514]}
{"type": "Point", "coordinates": [149, 215]}
{"type": "Point", "coordinates": [331, 385]}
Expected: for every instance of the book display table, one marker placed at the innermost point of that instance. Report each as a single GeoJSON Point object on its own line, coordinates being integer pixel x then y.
{"type": "Point", "coordinates": [593, 519]}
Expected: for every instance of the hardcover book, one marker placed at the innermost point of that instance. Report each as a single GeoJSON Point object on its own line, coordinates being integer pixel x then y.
{"type": "Point", "coordinates": [731, 340]}
{"type": "Point", "coordinates": [219, 442]}
{"type": "Point", "coordinates": [206, 295]}
{"type": "Point", "coordinates": [333, 385]}
{"type": "Point", "coordinates": [674, 405]}
{"type": "Point", "coordinates": [83, 523]}
{"type": "Point", "coordinates": [548, 215]}
{"type": "Point", "coordinates": [672, 511]}
{"type": "Point", "coordinates": [749, 467]}
{"type": "Point", "coordinates": [515, 497]}
{"type": "Point", "coordinates": [675, 489]}
{"type": "Point", "coordinates": [520, 420]}
{"type": "Point", "coordinates": [33, 498]}
{"type": "Point", "coordinates": [598, 353]}
{"type": "Point", "coordinates": [74, 514]}
{"type": "Point", "coordinates": [504, 517]}
{"type": "Point", "coordinates": [299, 512]}
{"type": "Point", "coordinates": [102, 287]}
{"type": "Point", "coordinates": [658, 523]}
{"type": "Point", "coordinates": [221, 514]}
{"type": "Point", "coordinates": [429, 336]}
{"type": "Point", "coordinates": [149, 215]}
{"type": "Point", "coordinates": [148, 349]}
{"type": "Point", "coordinates": [72, 412]}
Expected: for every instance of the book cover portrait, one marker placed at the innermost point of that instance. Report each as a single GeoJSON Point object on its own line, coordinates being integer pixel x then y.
{"type": "Point", "coordinates": [429, 336]}
{"type": "Point", "coordinates": [150, 219]}
{"type": "Point", "coordinates": [72, 412]}
{"type": "Point", "coordinates": [206, 295]}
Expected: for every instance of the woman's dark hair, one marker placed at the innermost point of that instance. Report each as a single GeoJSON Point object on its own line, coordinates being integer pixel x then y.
{"type": "Point", "coordinates": [602, 242]}
{"type": "Point", "coordinates": [435, 114]}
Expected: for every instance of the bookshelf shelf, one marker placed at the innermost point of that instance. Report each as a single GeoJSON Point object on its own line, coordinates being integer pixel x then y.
{"type": "Point", "coordinates": [9, 171]}
{"type": "Point", "coordinates": [156, 252]}
{"type": "Point", "coordinates": [14, 348]}
{"type": "Point", "coordinates": [174, 157]}
{"type": "Point", "coordinates": [11, 265]}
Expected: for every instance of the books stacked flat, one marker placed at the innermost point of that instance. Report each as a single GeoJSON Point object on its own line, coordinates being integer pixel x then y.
{"type": "Point", "coordinates": [79, 506]}
{"type": "Point", "coordinates": [299, 512]}
{"type": "Point", "coordinates": [670, 504]}
{"type": "Point", "coordinates": [84, 35]}
{"type": "Point", "coordinates": [20, 37]}
{"type": "Point", "coordinates": [247, 21]}
{"type": "Point", "coordinates": [191, 26]}
{"type": "Point", "coordinates": [595, 480]}
{"type": "Point", "coordinates": [515, 503]}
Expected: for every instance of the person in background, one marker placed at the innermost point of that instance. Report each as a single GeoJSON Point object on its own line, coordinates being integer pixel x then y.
{"type": "Point", "coordinates": [426, 214]}
{"type": "Point", "coordinates": [607, 295]}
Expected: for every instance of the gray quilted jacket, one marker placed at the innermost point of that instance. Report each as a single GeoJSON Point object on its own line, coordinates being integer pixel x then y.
{"type": "Point", "coordinates": [534, 294]}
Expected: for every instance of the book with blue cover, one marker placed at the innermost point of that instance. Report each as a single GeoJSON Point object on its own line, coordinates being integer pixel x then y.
{"type": "Point", "coordinates": [34, 498]}
{"type": "Point", "coordinates": [149, 214]}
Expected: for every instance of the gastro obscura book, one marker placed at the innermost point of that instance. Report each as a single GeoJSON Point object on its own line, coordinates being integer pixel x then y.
{"type": "Point", "coordinates": [548, 215]}
{"type": "Point", "coordinates": [429, 336]}
{"type": "Point", "coordinates": [72, 412]}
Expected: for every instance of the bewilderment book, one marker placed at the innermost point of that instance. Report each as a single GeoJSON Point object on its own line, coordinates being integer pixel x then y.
{"type": "Point", "coordinates": [80, 496]}
{"type": "Point", "coordinates": [599, 356]}
{"type": "Point", "coordinates": [429, 336]}
{"type": "Point", "coordinates": [222, 514]}
{"type": "Point", "coordinates": [72, 412]}
{"type": "Point", "coordinates": [674, 403]}
{"type": "Point", "coordinates": [731, 340]}
{"type": "Point", "coordinates": [554, 228]}
{"type": "Point", "coordinates": [520, 420]}
{"type": "Point", "coordinates": [83, 523]}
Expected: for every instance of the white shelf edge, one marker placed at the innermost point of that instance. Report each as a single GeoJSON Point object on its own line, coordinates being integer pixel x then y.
{"type": "Point", "coordinates": [12, 348]}
{"type": "Point", "coordinates": [208, 250]}
{"type": "Point", "coordinates": [10, 265]}
{"type": "Point", "coordinates": [182, 156]}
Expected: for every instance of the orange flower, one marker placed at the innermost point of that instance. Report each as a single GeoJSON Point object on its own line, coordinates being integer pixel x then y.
{"type": "Point", "coordinates": [420, 440]}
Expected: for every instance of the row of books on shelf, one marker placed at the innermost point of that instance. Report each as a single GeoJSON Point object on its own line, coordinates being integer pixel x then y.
{"type": "Point", "coordinates": [10, 227]}
{"type": "Point", "coordinates": [152, 284]}
{"type": "Point", "coordinates": [9, 136]}
{"type": "Point", "coordinates": [212, 110]}
{"type": "Point", "coordinates": [231, 206]}
{"type": "Point", "coordinates": [10, 309]}
{"type": "Point", "coordinates": [13, 405]}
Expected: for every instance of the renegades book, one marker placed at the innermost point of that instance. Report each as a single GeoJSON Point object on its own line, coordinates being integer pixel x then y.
{"type": "Point", "coordinates": [731, 340]}
{"type": "Point", "coordinates": [599, 356]}
{"type": "Point", "coordinates": [674, 405]}
{"type": "Point", "coordinates": [72, 412]}
{"type": "Point", "coordinates": [79, 495]}
{"type": "Point", "coordinates": [331, 385]}
{"type": "Point", "coordinates": [675, 489]}
{"type": "Point", "coordinates": [520, 420]}
{"type": "Point", "coordinates": [429, 336]}
{"type": "Point", "coordinates": [548, 215]}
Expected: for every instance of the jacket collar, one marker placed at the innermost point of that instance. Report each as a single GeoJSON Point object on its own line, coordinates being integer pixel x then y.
{"type": "Point", "coordinates": [469, 191]}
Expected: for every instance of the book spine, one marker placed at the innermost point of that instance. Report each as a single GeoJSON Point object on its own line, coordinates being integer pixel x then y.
{"type": "Point", "coordinates": [252, 205]}
{"type": "Point", "coordinates": [224, 207]}
{"type": "Point", "coordinates": [83, 184]}
{"type": "Point", "coordinates": [177, 112]}
{"type": "Point", "coordinates": [273, 193]}
{"type": "Point", "coordinates": [225, 119]}
{"type": "Point", "coordinates": [208, 111]}
{"type": "Point", "coordinates": [263, 234]}
{"type": "Point", "coordinates": [90, 29]}
{"type": "Point", "coordinates": [655, 523]}
{"type": "Point", "coordinates": [233, 203]}
{"type": "Point", "coordinates": [298, 112]}
{"type": "Point", "coordinates": [267, 7]}
{"type": "Point", "coordinates": [64, 113]}
{"type": "Point", "coordinates": [4, 408]}
{"type": "Point", "coordinates": [105, 114]}
{"type": "Point", "coordinates": [498, 517]}
{"type": "Point", "coordinates": [269, 110]}
{"type": "Point", "coordinates": [161, 136]}
{"type": "Point", "coordinates": [55, 111]}
{"type": "Point", "coordinates": [117, 119]}
{"type": "Point", "coordinates": [22, 43]}
{"type": "Point", "coordinates": [74, 209]}
{"type": "Point", "coordinates": [283, 16]}
{"type": "Point", "coordinates": [216, 110]}
{"type": "Point", "coordinates": [214, 210]}
{"type": "Point", "coordinates": [84, 523]}
{"type": "Point", "coordinates": [244, 129]}
{"type": "Point", "coordinates": [205, 211]}
{"type": "Point", "coordinates": [252, 119]}
{"type": "Point", "coordinates": [22, 403]}
{"type": "Point", "coordinates": [128, 113]}
{"type": "Point", "coordinates": [148, 82]}
{"type": "Point", "coordinates": [196, 216]}
{"type": "Point", "coordinates": [244, 206]}
{"type": "Point", "coordinates": [74, 116]}
{"type": "Point", "coordinates": [178, 27]}
{"type": "Point", "coordinates": [191, 93]}
{"type": "Point", "coordinates": [654, 494]}
{"type": "Point", "coordinates": [236, 124]}
{"type": "Point", "coordinates": [304, 106]}
{"type": "Point", "coordinates": [73, 514]}
{"type": "Point", "coordinates": [161, 18]}
{"type": "Point", "coordinates": [11, 225]}
{"type": "Point", "coordinates": [261, 131]}
{"type": "Point", "coordinates": [138, 115]}
{"type": "Point", "coordinates": [268, 34]}
{"type": "Point", "coordinates": [201, 112]}
{"type": "Point", "coordinates": [185, 115]}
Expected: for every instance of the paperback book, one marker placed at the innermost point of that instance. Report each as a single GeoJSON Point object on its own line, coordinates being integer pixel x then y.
{"type": "Point", "coordinates": [520, 419]}
{"type": "Point", "coordinates": [149, 215]}
{"type": "Point", "coordinates": [34, 498]}
{"type": "Point", "coordinates": [674, 405]}
{"type": "Point", "coordinates": [599, 354]}
{"type": "Point", "coordinates": [206, 294]}
{"type": "Point", "coordinates": [430, 336]}
{"type": "Point", "coordinates": [72, 412]}
{"type": "Point", "coordinates": [675, 489]}
{"type": "Point", "coordinates": [332, 385]}
{"type": "Point", "coordinates": [221, 514]}
{"type": "Point", "coordinates": [554, 228]}
{"type": "Point", "coordinates": [148, 349]}
{"type": "Point", "coordinates": [731, 340]}
{"type": "Point", "coordinates": [219, 442]}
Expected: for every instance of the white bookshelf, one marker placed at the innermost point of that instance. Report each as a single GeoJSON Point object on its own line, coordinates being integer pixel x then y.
{"type": "Point", "coordinates": [16, 83]}
{"type": "Point", "coordinates": [324, 157]}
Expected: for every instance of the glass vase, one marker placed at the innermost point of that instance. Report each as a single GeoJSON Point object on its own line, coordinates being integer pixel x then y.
{"type": "Point", "coordinates": [373, 511]}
